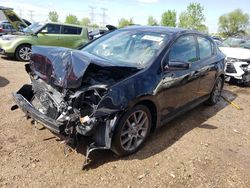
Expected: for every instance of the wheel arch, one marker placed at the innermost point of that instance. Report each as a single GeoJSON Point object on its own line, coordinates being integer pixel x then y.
{"type": "Point", "coordinates": [222, 76]}
{"type": "Point", "coordinates": [26, 43]}
{"type": "Point", "coordinates": [153, 110]}
{"type": "Point", "coordinates": [18, 46]}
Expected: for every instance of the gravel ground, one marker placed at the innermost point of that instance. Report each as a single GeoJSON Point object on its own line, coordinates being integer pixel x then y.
{"type": "Point", "coordinates": [206, 147]}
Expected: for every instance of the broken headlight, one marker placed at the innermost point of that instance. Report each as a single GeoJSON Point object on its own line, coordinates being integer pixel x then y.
{"type": "Point", "coordinates": [229, 59]}
{"type": "Point", "coordinates": [230, 68]}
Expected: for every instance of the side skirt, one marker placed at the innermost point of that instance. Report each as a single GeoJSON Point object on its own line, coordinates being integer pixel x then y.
{"type": "Point", "coordinates": [183, 109]}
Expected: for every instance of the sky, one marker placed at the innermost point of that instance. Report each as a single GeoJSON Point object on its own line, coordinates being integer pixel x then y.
{"type": "Point", "coordinates": [139, 10]}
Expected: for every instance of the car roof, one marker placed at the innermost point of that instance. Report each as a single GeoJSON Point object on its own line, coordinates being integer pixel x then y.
{"type": "Point", "coordinates": [5, 8]}
{"type": "Point", "coordinates": [162, 29]}
{"type": "Point", "coordinates": [58, 23]}
{"type": "Point", "coordinates": [5, 22]}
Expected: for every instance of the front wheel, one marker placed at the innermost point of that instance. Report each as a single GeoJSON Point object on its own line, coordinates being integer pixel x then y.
{"type": "Point", "coordinates": [23, 52]}
{"type": "Point", "coordinates": [216, 93]}
{"type": "Point", "coordinates": [132, 131]}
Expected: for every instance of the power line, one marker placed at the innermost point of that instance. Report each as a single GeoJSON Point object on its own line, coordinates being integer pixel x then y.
{"type": "Point", "coordinates": [31, 15]}
{"type": "Point", "coordinates": [104, 15]}
{"type": "Point", "coordinates": [20, 12]}
{"type": "Point", "coordinates": [92, 14]}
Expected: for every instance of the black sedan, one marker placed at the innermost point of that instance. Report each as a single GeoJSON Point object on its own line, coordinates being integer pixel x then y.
{"type": "Point", "coordinates": [123, 85]}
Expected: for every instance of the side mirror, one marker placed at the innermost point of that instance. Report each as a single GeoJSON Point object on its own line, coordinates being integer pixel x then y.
{"type": "Point", "coordinates": [177, 65]}
{"type": "Point", "coordinates": [44, 31]}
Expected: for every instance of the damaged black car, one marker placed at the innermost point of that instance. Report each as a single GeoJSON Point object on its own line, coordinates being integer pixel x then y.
{"type": "Point", "coordinates": [120, 87]}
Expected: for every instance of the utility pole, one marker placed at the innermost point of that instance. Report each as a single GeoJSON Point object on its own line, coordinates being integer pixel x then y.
{"type": "Point", "coordinates": [31, 15]}
{"type": "Point", "coordinates": [20, 13]}
{"type": "Point", "coordinates": [92, 14]}
{"type": "Point", "coordinates": [104, 15]}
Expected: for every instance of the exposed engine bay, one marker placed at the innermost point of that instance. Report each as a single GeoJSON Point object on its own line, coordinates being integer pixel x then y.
{"type": "Point", "coordinates": [55, 100]}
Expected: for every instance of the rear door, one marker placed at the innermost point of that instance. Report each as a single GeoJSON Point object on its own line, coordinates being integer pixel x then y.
{"type": "Point", "coordinates": [52, 36]}
{"type": "Point", "coordinates": [71, 36]}
{"type": "Point", "coordinates": [208, 65]}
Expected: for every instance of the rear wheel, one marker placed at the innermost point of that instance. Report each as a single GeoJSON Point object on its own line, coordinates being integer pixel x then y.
{"type": "Point", "coordinates": [132, 131]}
{"type": "Point", "coordinates": [23, 52]}
{"type": "Point", "coordinates": [216, 93]}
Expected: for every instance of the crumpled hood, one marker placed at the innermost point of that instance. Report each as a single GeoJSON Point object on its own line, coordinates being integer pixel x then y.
{"type": "Point", "coordinates": [237, 53]}
{"type": "Point", "coordinates": [65, 67]}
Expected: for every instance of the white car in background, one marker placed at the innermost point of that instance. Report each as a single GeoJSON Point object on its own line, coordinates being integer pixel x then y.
{"type": "Point", "coordinates": [237, 51]}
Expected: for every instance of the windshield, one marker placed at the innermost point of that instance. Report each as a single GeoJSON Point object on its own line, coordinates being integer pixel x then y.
{"type": "Point", "coordinates": [236, 43]}
{"type": "Point", "coordinates": [35, 27]}
{"type": "Point", "coordinates": [127, 47]}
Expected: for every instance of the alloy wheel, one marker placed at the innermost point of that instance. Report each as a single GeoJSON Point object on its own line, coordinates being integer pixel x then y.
{"type": "Point", "coordinates": [134, 130]}
{"type": "Point", "coordinates": [24, 53]}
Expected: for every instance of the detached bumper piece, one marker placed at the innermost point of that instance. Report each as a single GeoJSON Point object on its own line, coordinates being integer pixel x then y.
{"type": "Point", "coordinates": [30, 111]}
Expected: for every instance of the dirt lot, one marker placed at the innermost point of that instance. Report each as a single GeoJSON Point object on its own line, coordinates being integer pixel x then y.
{"type": "Point", "coordinates": [207, 147]}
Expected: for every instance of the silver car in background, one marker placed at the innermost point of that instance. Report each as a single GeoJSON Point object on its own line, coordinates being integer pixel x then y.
{"type": "Point", "coordinates": [6, 28]}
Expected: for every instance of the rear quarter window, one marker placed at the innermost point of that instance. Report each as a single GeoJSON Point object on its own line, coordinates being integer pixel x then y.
{"type": "Point", "coordinates": [70, 30]}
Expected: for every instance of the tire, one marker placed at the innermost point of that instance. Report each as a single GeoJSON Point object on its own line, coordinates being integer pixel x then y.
{"type": "Point", "coordinates": [216, 92]}
{"type": "Point", "coordinates": [247, 84]}
{"type": "Point", "coordinates": [23, 52]}
{"type": "Point", "coordinates": [128, 135]}
{"type": "Point", "coordinates": [246, 80]}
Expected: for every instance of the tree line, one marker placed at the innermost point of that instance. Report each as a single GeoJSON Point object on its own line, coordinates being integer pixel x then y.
{"type": "Point", "coordinates": [230, 24]}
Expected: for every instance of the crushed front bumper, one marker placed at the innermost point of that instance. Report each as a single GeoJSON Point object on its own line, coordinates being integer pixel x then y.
{"type": "Point", "coordinates": [33, 113]}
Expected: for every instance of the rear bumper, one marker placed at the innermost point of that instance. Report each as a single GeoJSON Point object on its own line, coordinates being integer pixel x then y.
{"type": "Point", "coordinates": [30, 110]}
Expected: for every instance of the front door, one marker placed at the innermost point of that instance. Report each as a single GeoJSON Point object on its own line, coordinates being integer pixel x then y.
{"type": "Point", "coordinates": [179, 87]}
{"type": "Point", "coordinates": [50, 35]}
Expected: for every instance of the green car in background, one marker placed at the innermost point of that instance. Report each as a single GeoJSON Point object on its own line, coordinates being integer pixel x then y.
{"type": "Point", "coordinates": [46, 34]}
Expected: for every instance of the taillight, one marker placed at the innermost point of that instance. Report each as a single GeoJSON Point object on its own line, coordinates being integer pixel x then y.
{"type": "Point", "coordinates": [1, 29]}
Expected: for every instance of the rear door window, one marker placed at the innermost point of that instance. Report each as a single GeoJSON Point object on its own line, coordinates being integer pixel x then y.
{"type": "Point", "coordinates": [184, 49]}
{"type": "Point", "coordinates": [71, 30]}
{"type": "Point", "coordinates": [205, 47]}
